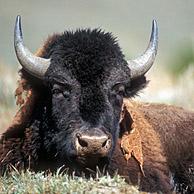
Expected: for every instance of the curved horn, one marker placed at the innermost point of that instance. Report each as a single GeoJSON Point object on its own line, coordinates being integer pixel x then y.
{"type": "Point", "coordinates": [143, 63]}
{"type": "Point", "coordinates": [34, 65]}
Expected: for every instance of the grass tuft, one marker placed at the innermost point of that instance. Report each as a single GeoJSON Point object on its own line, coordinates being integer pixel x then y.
{"type": "Point", "coordinates": [30, 183]}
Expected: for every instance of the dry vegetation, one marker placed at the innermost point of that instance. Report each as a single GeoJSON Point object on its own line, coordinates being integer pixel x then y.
{"type": "Point", "coordinates": [165, 88]}
{"type": "Point", "coordinates": [8, 82]}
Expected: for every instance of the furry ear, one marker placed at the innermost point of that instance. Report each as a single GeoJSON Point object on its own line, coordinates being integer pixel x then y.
{"type": "Point", "coordinates": [125, 122]}
{"type": "Point", "coordinates": [135, 86]}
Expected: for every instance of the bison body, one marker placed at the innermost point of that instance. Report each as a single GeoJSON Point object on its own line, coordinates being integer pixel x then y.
{"type": "Point", "coordinates": [77, 113]}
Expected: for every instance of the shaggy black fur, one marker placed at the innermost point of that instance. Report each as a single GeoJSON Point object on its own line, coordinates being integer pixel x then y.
{"type": "Point", "coordinates": [85, 86]}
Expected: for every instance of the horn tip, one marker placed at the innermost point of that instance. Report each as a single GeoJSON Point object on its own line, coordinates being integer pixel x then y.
{"type": "Point", "coordinates": [154, 34]}
{"type": "Point", "coordinates": [18, 29]}
{"type": "Point", "coordinates": [18, 18]}
{"type": "Point", "coordinates": [18, 22]}
{"type": "Point", "coordinates": [154, 24]}
{"type": "Point", "coordinates": [154, 21]}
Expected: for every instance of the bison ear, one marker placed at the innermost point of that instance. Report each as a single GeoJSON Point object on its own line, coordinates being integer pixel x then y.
{"type": "Point", "coordinates": [125, 122]}
{"type": "Point", "coordinates": [135, 86]}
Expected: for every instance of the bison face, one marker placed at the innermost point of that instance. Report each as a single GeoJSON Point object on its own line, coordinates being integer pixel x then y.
{"type": "Point", "coordinates": [85, 122]}
{"type": "Point", "coordinates": [86, 100]}
{"type": "Point", "coordinates": [86, 78]}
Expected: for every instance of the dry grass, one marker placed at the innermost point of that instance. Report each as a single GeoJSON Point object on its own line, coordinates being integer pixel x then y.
{"type": "Point", "coordinates": [165, 89]}
{"type": "Point", "coordinates": [8, 83]}
{"type": "Point", "coordinates": [6, 115]}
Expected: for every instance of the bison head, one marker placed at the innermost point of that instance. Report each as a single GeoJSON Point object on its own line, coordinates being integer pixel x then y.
{"type": "Point", "coordinates": [84, 78]}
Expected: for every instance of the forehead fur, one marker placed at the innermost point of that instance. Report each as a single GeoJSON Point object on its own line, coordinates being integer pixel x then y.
{"type": "Point", "coordinates": [85, 53]}
{"type": "Point", "coordinates": [90, 57]}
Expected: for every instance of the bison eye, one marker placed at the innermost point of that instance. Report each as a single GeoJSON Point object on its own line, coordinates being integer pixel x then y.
{"type": "Point", "coordinates": [57, 92]}
{"type": "Point", "coordinates": [119, 89]}
{"type": "Point", "coordinates": [60, 93]}
{"type": "Point", "coordinates": [117, 94]}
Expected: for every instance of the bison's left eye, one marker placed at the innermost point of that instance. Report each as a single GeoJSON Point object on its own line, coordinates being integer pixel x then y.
{"type": "Point", "coordinates": [117, 93]}
{"type": "Point", "coordinates": [119, 89]}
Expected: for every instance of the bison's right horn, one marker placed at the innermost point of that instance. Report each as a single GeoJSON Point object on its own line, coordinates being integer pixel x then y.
{"type": "Point", "coordinates": [34, 65]}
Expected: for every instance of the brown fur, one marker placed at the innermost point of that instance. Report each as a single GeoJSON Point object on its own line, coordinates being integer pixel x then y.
{"type": "Point", "coordinates": [167, 140]}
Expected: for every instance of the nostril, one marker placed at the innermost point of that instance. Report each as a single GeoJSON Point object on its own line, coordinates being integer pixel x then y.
{"type": "Point", "coordinates": [106, 143]}
{"type": "Point", "coordinates": [81, 141]}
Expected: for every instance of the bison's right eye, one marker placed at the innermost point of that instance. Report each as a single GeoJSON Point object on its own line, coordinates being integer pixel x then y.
{"type": "Point", "coordinates": [56, 91]}
{"type": "Point", "coordinates": [61, 93]}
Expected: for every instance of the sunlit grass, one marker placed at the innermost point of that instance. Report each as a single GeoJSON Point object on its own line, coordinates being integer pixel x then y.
{"type": "Point", "coordinates": [31, 183]}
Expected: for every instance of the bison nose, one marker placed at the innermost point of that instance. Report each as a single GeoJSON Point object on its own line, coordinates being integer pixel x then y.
{"type": "Point", "coordinates": [93, 144]}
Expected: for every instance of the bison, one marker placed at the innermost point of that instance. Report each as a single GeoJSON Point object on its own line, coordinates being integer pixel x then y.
{"type": "Point", "coordinates": [76, 110]}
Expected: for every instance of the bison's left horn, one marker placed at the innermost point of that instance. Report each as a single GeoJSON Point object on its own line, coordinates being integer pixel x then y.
{"type": "Point", "coordinates": [34, 65]}
{"type": "Point", "coordinates": [143, 63]}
